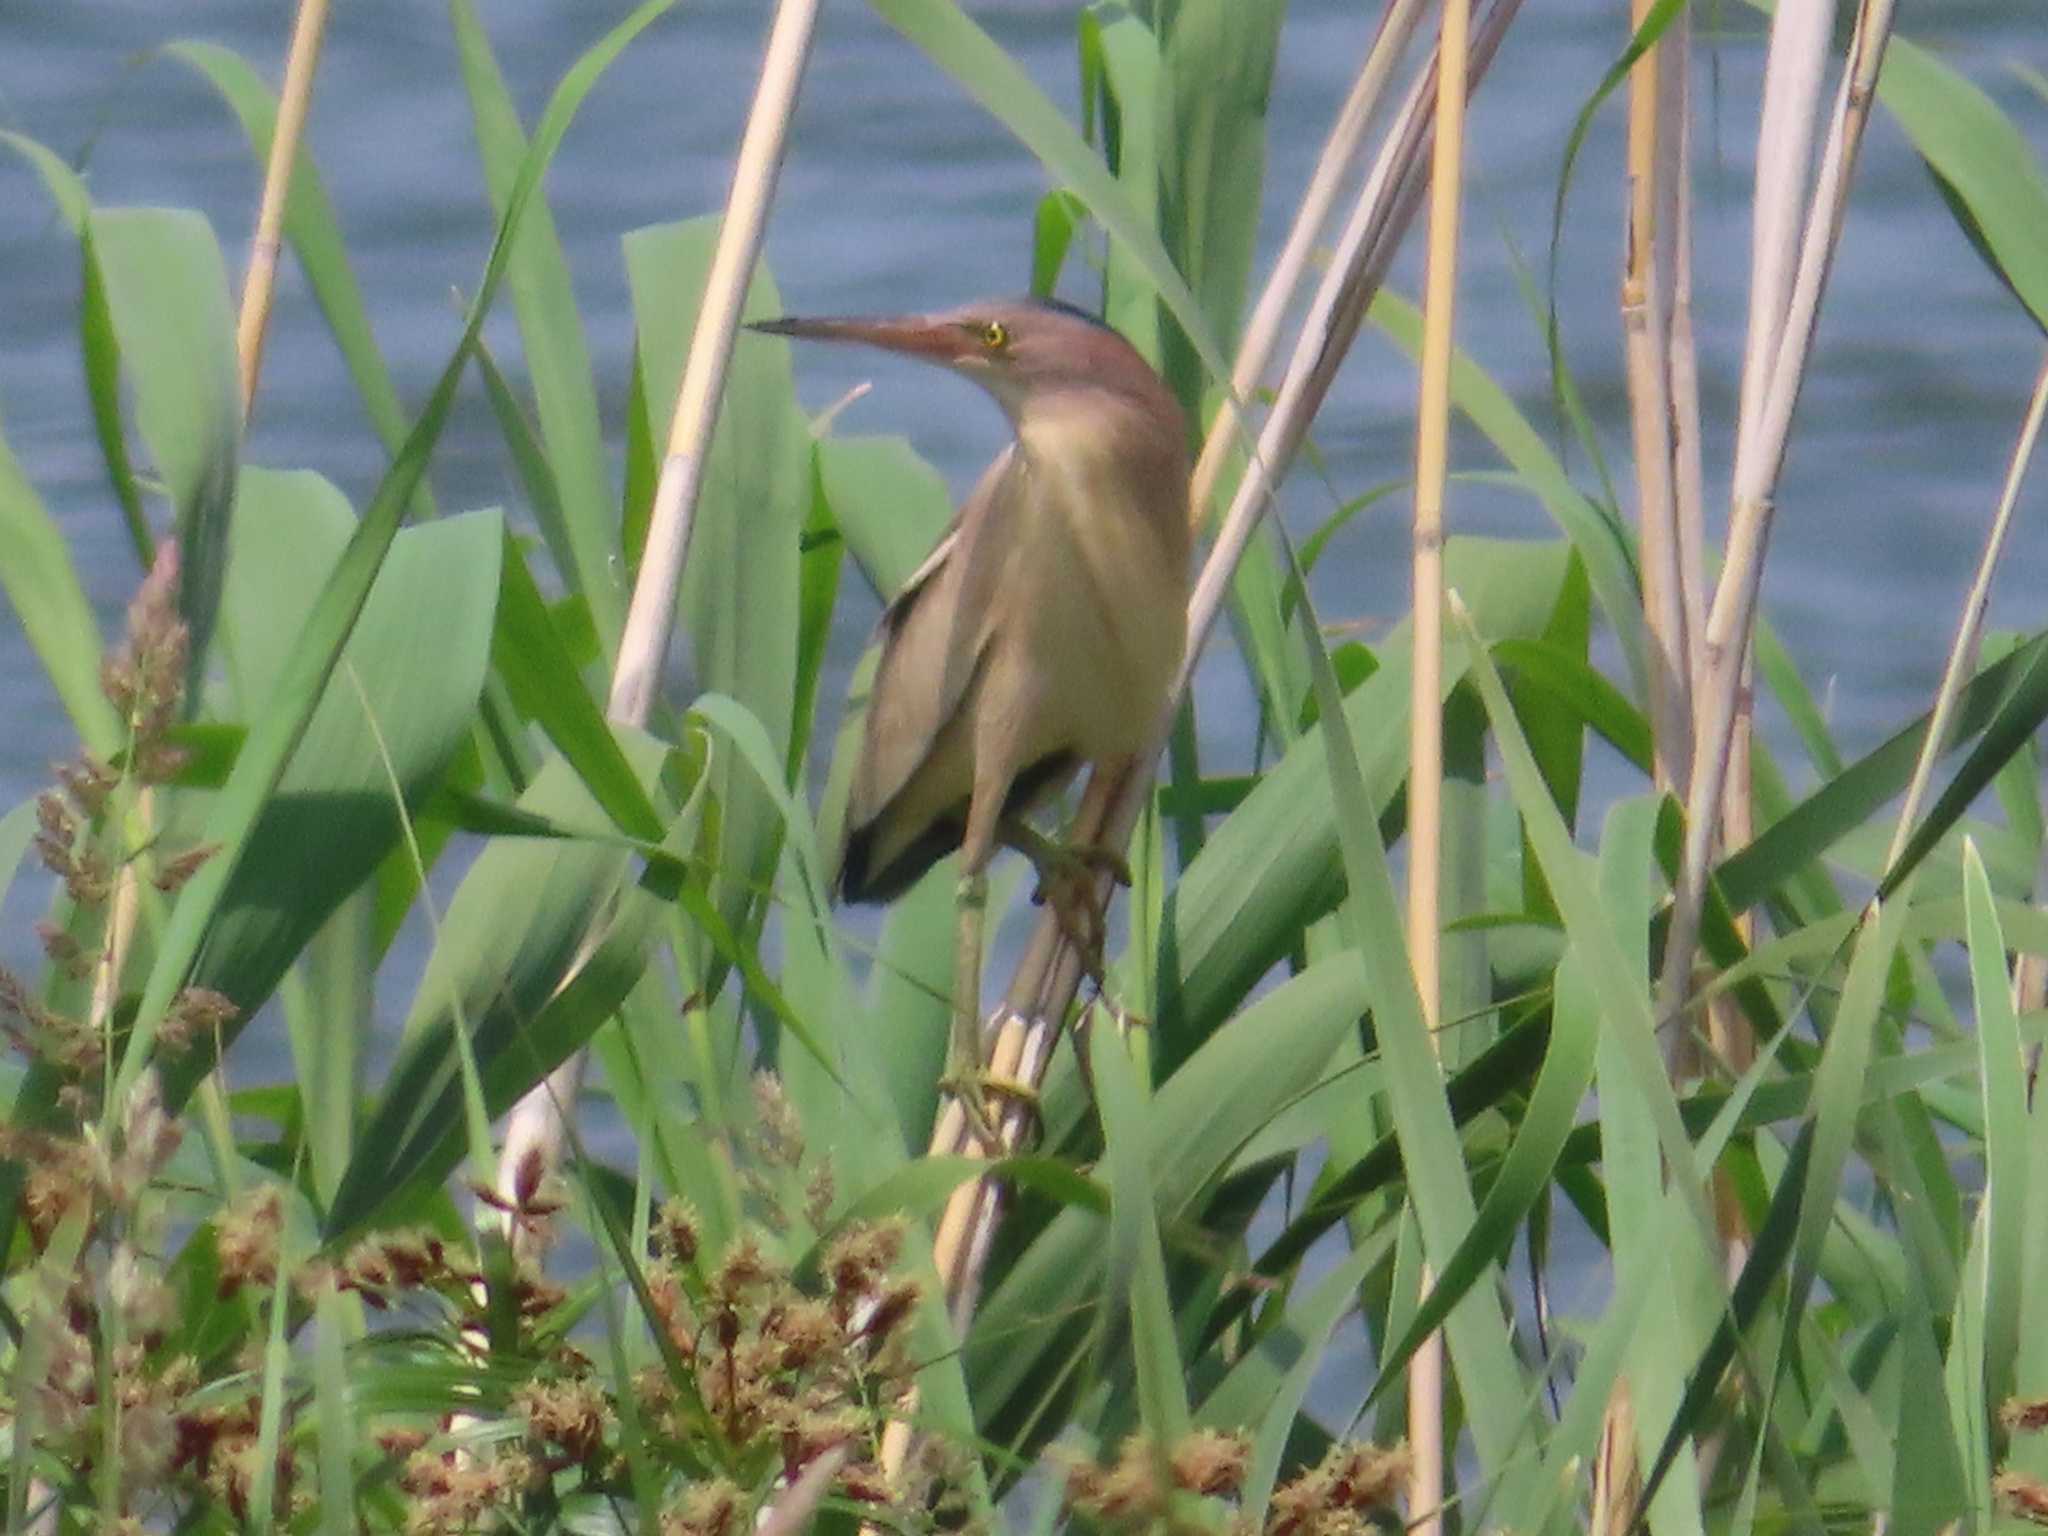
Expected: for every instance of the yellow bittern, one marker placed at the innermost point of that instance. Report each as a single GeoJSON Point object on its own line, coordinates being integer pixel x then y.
{"type": "Point", "coordinates": [1042, 633]}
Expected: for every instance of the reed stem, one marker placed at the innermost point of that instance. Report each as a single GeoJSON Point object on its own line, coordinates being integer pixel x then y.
{"type": "Point", "coordinates": [535, 1135]}
{"type": "Point", "coordinates": [1426, 1479]}
{"type": "Point", "coordinates": [252, 324]}
{"type": "Point", "coordinates": [1759, 454]}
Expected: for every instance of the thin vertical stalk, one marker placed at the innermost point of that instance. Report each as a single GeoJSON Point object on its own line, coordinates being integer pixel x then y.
{"type": "Point", "coordinates": [1425, 716]}
{"type": "Point", "coordinates": [535, 1134]}
{"type": "Point", "coordinates": [1664, 420]}
{"type": "Point", "coordinates": [1759, 456]}
{"type": "Point", "coordinates": [1689, 483]}
{"type": "Point", "coordinates": [1794, 67]}
{"type": "Point", "coordinates": [252, 324]}
{"type": "Point", "coordinates": [1656, 177]}
{"type": "Point", "coordinates": [651, 618]}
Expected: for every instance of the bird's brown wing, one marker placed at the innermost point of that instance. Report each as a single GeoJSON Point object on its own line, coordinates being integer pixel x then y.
{"type": "Point", "coordinates": [932, 637]}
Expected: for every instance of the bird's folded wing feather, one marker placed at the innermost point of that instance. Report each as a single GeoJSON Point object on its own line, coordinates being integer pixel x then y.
{"type": "Point", "coordinates": [932, 636]}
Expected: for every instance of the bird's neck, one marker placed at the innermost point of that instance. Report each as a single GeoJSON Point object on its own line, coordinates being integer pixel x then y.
{"type": "Point", "coordinates": [1105, 431]}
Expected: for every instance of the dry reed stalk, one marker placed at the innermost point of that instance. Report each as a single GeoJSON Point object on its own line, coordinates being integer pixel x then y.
{"type": "Point", "coordinates": [1340, 154]}
{"type": "Point", "coordinates": [1760, 452]}
{"type": "Point", "coordinates": [1657, 182]}
{"type": "Point", "coordinates": [1617, 1472]}
{"type": "Point", "coordinates": [252, 324]}
{"type": "Point", "coordinates": [1026, 1026]}
{"type": "Point", "coordinates": [1793, 73]}
{"type": "Point", "coordinates": [535, 1134]}
{"type": "Point", "coordinates": [1689, 482]}
{"type": "Point", "coordinates": [1426, 1481]}
{"type": "Point", "coordinates": [1663, 397]}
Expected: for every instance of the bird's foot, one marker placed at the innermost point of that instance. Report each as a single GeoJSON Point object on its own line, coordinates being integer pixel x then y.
{"type": "Point", "coordinates": [1067, 876]}
{"type": "Point", "coordinates": [983, 1096]}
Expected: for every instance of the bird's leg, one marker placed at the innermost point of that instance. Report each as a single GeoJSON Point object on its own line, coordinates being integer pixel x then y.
{"type": "Point", "coordinates": [1066, 883]}
{"type": "Point", "coordinates": [966, 1077]}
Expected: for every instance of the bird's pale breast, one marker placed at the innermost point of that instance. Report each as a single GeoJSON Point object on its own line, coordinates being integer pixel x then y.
{"type": "Point", "coordinates": [1104, 578]}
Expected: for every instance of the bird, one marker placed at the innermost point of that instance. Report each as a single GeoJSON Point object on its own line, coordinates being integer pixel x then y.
{"type": "Point", "coordinates": [1042, 633]}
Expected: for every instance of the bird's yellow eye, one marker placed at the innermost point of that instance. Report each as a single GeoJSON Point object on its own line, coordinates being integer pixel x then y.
{"type": "Point", "coordinates": [995, 335]}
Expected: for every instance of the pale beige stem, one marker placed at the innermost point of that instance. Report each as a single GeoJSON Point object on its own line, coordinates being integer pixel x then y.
{"type": "Point", "coordinates": [1685, 381]}
{"type": "Point", "coordinates": [1795, 65]}
{"type": "Point", "coordinates": [536, 1133]}
{"type": "Point", "coordinates": [1655, 180]}
{"type": "Point", "coordinates": [1426, 1477]}
{"type": "Point", "coordinates": [253, 323]}
{"type": "Point", "coordinates": [1664, 423]}
{"type": "Point", "coordinates": [1758, 458]}
{"type": "Point", "coordinates": [650, 620]}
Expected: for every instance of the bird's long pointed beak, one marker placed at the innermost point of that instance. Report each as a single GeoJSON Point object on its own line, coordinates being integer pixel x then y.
{"type": "Point", "coordinates": [910, 335]}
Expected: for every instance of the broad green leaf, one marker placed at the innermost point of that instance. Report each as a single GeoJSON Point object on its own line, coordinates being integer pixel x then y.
{"type": "Point", "coordinates": [540, 944]}
{"type": "Point", "coordinates": [1569, 683]}
{"type": "Point", "coordinates": [2003, 1075]}
{"type": "Point", "coordinates": [1523, 1180]}
{"type": "Point", "coordinates": [1928, 1493]}
{"type": "Point", "coordinates": [334, 1414]}
{"type": "Point", "coordinates": [1273, 866]}
{"type": "Point", "coordinates": [1621, 988]}
{"type": "Point", "coordinates": [547, 687]}
{"type": "Point", "coordinates": [889, 504]}
{"type": "Point", "coordinates": [1371, 922]}
{"type": "Point", "coordinates": [166, 292]}
{"type": "Point", "coordinates": [1060, 217]}
{"type": "Point", "coordinates": [1135, 1262]}
{"type": "Point", "coordinates": [329, 998]}
{"type": "Point", "coordinates": [1981, 160]}
{"type": "Point", "coordinates": [43, 590]}
{"type": "Point", "coordinates": [1646, 1251]}
{"type": "Point", "coordinates": [65, 186]}
{"type": "Point", "coordinates": [1134, 112]}
{"type": "Point", "coordinates": [1217, 66]}
{"type": "Point", "coordinates": [551, 330]}
{"type": "Point", "coordinates": [910, 998]}
{"type": "Point", "coordinates": [379, 738]}
{"type": "Point", "coordinates": [1033, 1325]}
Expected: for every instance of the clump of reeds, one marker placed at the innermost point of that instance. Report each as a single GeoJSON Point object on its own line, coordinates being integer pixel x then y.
{"type": "Point", "coordinates": [132, 1410]}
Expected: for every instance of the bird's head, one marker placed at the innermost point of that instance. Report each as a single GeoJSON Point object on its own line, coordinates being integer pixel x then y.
{"type": "Point", "coordinates": [1022, 351]}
